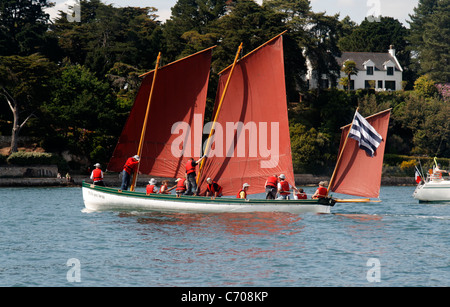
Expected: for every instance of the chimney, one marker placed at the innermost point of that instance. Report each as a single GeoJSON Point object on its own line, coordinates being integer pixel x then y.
{"type": "Point", "coordinates": [392, 50]}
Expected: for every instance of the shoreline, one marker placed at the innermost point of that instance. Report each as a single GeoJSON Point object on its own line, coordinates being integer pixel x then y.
{"type": "Point", "coordinates": [113, 180]}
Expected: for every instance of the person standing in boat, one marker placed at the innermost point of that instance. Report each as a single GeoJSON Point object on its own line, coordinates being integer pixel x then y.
{"type": "Point", "coordinates": [213, 189]}
{"type": "Point", "coordinates": [243, 192]}
{"type": "Point", "coordinates": [97, 175]}
{"type": "Point", "coordinates": [128, 169]}
{"type": "Point", "coordinates": [284, 188]}
{"type": "Point", "coordinates": [190, 173]}
{"type": "Point", "coordinates": [271, 187]}
{"type": "Point", "coordinates": [321, 191]}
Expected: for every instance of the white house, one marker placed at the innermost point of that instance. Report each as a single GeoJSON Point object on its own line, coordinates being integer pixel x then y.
{"type": "Point", "coordinates": [380, 71]}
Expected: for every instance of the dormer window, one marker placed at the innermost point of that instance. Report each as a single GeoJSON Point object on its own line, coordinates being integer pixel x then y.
{"type": "Point", "coordinates": [369, 65]}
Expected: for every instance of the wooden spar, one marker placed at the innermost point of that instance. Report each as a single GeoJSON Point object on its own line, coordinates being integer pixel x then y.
{"type": "Point", "coordinates": [174, 62]}
{"type": "Point", "coordinates": [144, 127]}
{"type": "Point", "coordinates": [254, 50]}
{"type": "Point", "coordinates": [218, 110]}
{"type": "Point", "coordinates": [340, 154]}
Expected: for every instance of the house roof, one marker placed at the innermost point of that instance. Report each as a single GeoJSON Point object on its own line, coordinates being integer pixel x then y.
{"type": "Point", "coordinates": [379, 59]}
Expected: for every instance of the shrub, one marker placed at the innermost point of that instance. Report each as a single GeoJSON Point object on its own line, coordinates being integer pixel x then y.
{"type": "Point", "coordinates": [37, 158]}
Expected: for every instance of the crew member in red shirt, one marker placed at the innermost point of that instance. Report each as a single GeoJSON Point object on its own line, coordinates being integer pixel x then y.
{"type": "Point", "coordinates": [128, 169]}
{"type": "Point", "coordinates": [190, 176]}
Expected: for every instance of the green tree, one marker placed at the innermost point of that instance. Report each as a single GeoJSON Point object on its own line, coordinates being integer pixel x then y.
{"type": "Point", "coordinates": [310, 149]}
{"type": "Point", "coordinates": [24, 86]}
{"type": "Point", "coordinates": [435, 54]}
{"type": "Point", "coordinates": [425, 86]}
{"type": "Point", "coordinates": [82, 114]}
{"type": "Point", "coordinates": [189, 28]}
{"type": "Point", "coordinates": [350, 69]}
{"type": "Point", "coordinates": [23, 26]}
{"type": "Point", "coordinates": [107, 35]}
{"type": "Point", "coordinates": [417, 27]}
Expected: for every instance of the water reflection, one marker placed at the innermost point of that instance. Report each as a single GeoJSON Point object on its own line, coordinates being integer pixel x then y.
{"type": "Point", "coordinates": [254, 223]}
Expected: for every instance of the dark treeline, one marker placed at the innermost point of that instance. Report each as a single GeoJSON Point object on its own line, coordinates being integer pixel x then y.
{"type": "Point", "coordinates": [70, 84]}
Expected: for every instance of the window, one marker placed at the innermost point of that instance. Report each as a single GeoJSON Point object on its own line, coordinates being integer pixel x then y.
{"type": "Point", "coordinates": [369, 70]}
{"type": "Point", "coordinates": [390, 85]}
{"type": "Point", "coordinates": [390, 71]}
{"type": "Point", "coordinates": [368, 84]}
{"type": "Point", "coordinates": [380, 83]}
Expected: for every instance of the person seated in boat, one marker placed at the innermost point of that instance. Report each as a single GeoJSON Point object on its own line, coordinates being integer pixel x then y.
{"type": "Point", "coordinates": [151, 187]}
{"type": "Point", "coordinates": [321, 191]}
{"type": "Point", "coordinates": [300, 195]}
{"type": "Point", "coordinates": [213, 189]}
{"type": "Point", "coordinates": [128, 169]}
{"type": "Point", "coordinates": [284, 188]}
{"type": "Point", "coordinates": [190, 172]}
{"type": "Point", "coordinates": [97, 175]}
{"type": "Point", "coordinates": [243, 192]}
{"type": "Point", "coordinates": [437, 172]}
{"type": "Point", "coordinates": [271, 187]}
{"type": "Point", "coordinates": [181, 186]}
{"type": "Point", "coordinates": [164, 189]}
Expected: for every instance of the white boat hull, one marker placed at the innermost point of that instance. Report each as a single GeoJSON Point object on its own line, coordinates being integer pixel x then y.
{"type": "Point", "coordinates": [432, 191]}
{"type": "Point", "coordinates": [100, 199]}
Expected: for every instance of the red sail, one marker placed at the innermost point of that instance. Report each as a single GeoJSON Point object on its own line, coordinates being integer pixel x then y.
{"type": "Point", "coordinates": [251, 138]}
{"type": "Point", "coordinates": [175, 124]}
{"type": "Point", "coordinates": [357, 173]}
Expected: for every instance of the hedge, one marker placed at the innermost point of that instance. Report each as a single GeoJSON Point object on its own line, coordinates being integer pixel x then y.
{"type": "Point", "coordinates": [37, 158]}
{"type": "Point", "coordinates": [396, 160]}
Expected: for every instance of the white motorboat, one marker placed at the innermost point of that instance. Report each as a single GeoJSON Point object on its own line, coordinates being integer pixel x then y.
{"type": "Point", "coordinates": [434, 189]}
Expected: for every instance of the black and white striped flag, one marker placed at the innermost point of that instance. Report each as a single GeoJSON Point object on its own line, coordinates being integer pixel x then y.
{"type": "Point", "coordinates": [366, 135]}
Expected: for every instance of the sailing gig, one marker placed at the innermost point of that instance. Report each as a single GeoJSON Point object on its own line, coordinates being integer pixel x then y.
{"type": "Point", "coordinates": [247, 142]}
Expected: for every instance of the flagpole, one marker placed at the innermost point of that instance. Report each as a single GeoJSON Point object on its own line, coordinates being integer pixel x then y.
{"type": "Point", "coordinates": [338, 162]}
{"type": "Point", "coordinates": [218, 110]}
{"type": "Point", "coordinates": [144, 127]}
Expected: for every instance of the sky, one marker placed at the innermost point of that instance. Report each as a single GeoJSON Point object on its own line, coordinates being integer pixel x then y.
{"type": "Point", "coordinates": [356, 9]}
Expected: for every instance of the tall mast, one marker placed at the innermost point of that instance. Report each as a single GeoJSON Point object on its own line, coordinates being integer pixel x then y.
{"type": "Point", "coordinates": [218, 109]}
{"type": "Point", "coordinates": [144, 127]}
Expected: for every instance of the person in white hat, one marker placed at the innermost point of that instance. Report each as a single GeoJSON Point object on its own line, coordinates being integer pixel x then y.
{"type": "Point", "coordinates": [128, 169]}
{"type": "Point", "coordinates": [97, 175]}
{"type": "Point", "coordinates": [284, 188]}
{"type": "Point", "coordinates": [213, 189]}
{"type": "Point", "coordinates": [243, 192]}
{"type": "Point", "coordinates": [151, 187]}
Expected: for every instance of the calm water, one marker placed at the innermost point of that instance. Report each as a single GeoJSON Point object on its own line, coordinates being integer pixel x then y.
{"type": "Point", "coordinates": [398, 242]}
